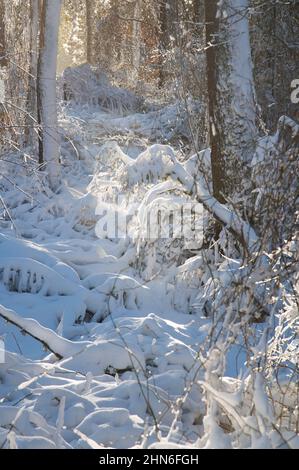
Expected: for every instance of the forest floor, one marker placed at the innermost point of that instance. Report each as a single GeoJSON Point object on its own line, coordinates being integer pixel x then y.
{"type": "Point", "coordinates": [120, 312]}
{"type": "Point", "coordinates": [140, 341]}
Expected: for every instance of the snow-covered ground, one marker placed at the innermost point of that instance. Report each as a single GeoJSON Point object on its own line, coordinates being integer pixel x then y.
{"type": "Point", "coordinates": [120, 322]}
{"type": "Point", "coordinates": [127, 344]}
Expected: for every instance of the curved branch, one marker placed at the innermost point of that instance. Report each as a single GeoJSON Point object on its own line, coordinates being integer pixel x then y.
{"type": "Point", "coordinates": [59, 346]}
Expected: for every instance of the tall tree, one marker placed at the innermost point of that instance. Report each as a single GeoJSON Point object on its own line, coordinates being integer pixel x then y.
{"type": "Point", "coordinates": [3, 58]}
{"type": "Point", "coordinates": [136, 39]}
{"type": "Point", "coordinates": [32, 117]}
{"type": "Point", "coordinates": [168, 17]}
{"type": "Point", "coordinates": [46, 87]}
{"type": "Point", "coordinates": [89, 31]}
{"type": "Point", "coordinates": [232, 108]}
{"type": "Point", "coordinates": [164, 41]}
{"type": "Point", "coordinates": [3, 62]}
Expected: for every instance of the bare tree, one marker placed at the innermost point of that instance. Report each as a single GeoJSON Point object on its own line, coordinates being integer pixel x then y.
{"type": "Point", "coordinates": [32, 119]}
{"type": "Point", "coordinates": [232, 110]}
{"type": "Point", "coordinates": [168, 13]}
{"type": "Point", "coordinates": [89, 31]}
{"type": "Point", "coordinates": [3, 63]}
{"type": "Point", "coordinates": [136, 39]}
{"type": "Point", "coordinates": [163, 40]}
{"type": "Point", "coordinates": [3, 58]}
{"type": "Point", "coordinates": [47, 106]}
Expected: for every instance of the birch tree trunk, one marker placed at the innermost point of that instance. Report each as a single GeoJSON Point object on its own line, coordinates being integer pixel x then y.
{"type": "Point", "coordinates": [47, 99]}
{"type": "Point", "coordinates": [232, 104]}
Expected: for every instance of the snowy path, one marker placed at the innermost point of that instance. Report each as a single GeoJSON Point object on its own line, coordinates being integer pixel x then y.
{"type": "Point", "coordinates": [139, 353]}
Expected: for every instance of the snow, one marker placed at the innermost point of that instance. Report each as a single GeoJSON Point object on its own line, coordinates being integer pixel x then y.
{"type": "Point", "coordinates": [88, 85]}
{"type": "Point", "coordinates": [121, 322]}
{"type": "Point", "coordinates": [238, 76]}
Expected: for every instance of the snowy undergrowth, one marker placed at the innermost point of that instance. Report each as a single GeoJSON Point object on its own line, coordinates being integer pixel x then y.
{"type": "Point", "coordinates": [108, 340]}
{"type": "Point", "coordinates": [115, 348]}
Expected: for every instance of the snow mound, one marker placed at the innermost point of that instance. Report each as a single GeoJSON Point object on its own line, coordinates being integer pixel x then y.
{"type": "Point", "coordinates": [112, 428]}
{"type": "Point", "coordinates": [86, 84]}
{"type": "Point", "coordinates": [153, 164]}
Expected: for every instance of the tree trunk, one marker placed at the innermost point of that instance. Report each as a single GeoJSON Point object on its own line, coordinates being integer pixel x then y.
{"type": "Point", "coordinates": [47, 100]}
{"type": "Point", "coordinates": [217, 161]}
{"type": "Point", "coordinates": [197, 6]}
{"type": "Point", "coordinates": [168, 16]}
{"type": "Point", "coordinates": [232, 109]}
{"type": "Point", "coordinates": [3, 58]}
{"type": "Point", "coordinates": [3, 63]}
{"type": "Point", "coordinates": [89, 31]}
{"type": "Point", "coordinates": [32, 117]}
{"type": "Point", "coordinates": [163, 43]}
{"type": "Point", "coordinates": [136, 40]}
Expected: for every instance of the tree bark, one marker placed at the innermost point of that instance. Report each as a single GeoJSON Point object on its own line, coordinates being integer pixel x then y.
{"type": "Point", "coordinates": [3, 58]}
{"type": "Point", "coordinates": [32, 117]}
{"type": "Point", "coordinates": [232, 108]}
{"type": "Point", "coordinates": [168, 16]}
{"type": "Point", "coordinates": [89, 32]}
{"type": "Point", "coordinates": [3, 63]}
{"type": "Point", "coordinates": [217, 161]}
{"type": "Point", "coordinates": [46, 88]}
{"type": "Point", "coordinates": [163, 43]}
{"type": "Point", "coordinates": [197, 5]}
{"type": "Point", "coordinates": [136, 40]}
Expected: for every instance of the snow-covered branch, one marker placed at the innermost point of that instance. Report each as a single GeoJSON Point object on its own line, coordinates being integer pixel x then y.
{"type": "Point", "coordinates": [61, 347]}
{"type": "Point", "coordinates": [160, 162]}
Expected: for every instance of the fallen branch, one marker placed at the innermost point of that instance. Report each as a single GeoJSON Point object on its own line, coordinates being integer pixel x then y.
{"type": "Point", "coordinates": [59, 346]}
{"type": "Point", "coordinates": [241, 229]}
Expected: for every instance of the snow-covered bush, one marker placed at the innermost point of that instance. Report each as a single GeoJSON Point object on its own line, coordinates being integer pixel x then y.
{"type": "Point", "coordinates": [90, 85]}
